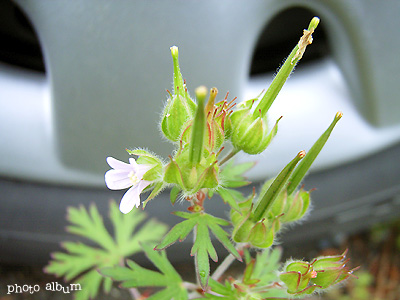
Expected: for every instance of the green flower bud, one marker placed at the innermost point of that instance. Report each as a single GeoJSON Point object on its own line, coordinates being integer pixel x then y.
{"type": "Point", "coordinates": [261, 235]}
{"type": "Point", "coordinates": [242, 230]}
{"type": "Point", "coordinates": [218, 124]}
{"type": "Point", "coordinates": [191, 178]}
{"type": "Point", "coordinates": [296, 206]}
{"type": "Point", "coordinates": [258, 234]}
{"type": "Point", "coordinates": [331, 270]}
{"type": "Point", "coordinates": [291, 208]}
{"type": "Point", "coordinates": [249, 132]}
{"type": "Point", "coordinates": [297, 278]}
{"type": "Point", "coordinates": [180, 107]}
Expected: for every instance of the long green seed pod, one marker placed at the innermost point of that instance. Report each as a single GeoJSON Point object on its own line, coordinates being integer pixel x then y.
{"type": "Point", "coordinates": [287, 68]}
{"type": "Point", "coordinates": [305, 164]}
{"type": "Point", "coordinates": [265, 202]}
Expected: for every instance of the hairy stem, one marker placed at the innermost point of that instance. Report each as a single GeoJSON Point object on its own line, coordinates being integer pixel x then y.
{"type": "Point", "coordinates": [228, 156]}
{"type": "Point", "coordinates": [135, 293]}
{"type": "Point", "coordinates": [190, 286]}
{"type": "Point", "coordinates": [226, 263]}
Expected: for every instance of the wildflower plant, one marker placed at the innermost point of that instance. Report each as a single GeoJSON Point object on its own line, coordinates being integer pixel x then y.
{"type": "Point", "coordinates": [207, 134]}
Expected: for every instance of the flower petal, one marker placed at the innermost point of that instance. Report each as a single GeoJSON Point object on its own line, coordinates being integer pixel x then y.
{"type": "Point", "coordinates": [117, 164]}
{"type": "Point", "coordinates": [140, 170]}
{"type": "Point", "coordinates": [132, 162]}
{"type": "Point", "coordinates": [143, 184]}
{"type": "Point", "coordinates": [117, 179]}
{"type": "Point", "coordinates": [130, 199]}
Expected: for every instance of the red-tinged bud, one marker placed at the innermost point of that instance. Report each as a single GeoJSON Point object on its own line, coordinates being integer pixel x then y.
{"type": "Point", "coordinates": [303, 278]}
{"type": "Point", "coordinates": [261, 235]}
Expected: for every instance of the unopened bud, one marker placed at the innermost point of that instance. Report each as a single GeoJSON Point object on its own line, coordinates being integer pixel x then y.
{"type": "Point", "coordinates": [303, 278]}
{"type": "Point", "coordinates": [180, 107]}
{"type": "Point", "coordinates": [249, 133]}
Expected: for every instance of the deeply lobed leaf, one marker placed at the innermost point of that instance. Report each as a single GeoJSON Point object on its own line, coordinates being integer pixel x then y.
{"type": "Point", "coordinates": [136, 276]}
{"type": "Point", "coordinates": [80, 261]}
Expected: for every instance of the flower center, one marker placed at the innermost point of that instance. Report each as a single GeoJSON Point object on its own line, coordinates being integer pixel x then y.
{"type": "Point", "coordinates": [314, 274]}
{"type": "Point", "coordinates": [132, 176]}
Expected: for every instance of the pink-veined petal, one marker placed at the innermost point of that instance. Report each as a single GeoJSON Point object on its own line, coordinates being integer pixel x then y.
{"type": "Point", "coordinates": [117, 164]}
{"type": "Point", "coordinates": [117, 180]}
{"type": "Point", "coordinates": [130, 199]}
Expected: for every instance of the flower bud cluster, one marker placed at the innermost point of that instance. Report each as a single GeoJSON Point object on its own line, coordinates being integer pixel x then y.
{"type": "Point", "coordinates": [291, 207]}
{"type": "Point", "coordinates": [304, 278]}
{"type": "Point", "coordinates": [279, 202]}
{"type": "Point", "coordinates": [258, 224]}
{"type": "Point", "coordinates": [259, 234]}
{"type": "Point", "coordinates": [199, 130]}
{"type": "Point", "coordinates": [262, 233]}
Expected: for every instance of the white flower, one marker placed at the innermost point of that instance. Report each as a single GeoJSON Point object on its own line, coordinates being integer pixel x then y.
{"type": "Point", "coordinates": [125, 175]}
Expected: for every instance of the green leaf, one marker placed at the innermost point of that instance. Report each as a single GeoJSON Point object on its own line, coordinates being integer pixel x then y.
{"type": "Point", "coordinates": [158, 187]}
{"type": "Point", "coordinates": [233, 174]}
{"type": "Point", "coordinates": [173, 173]}
{"type": "Point", "coordinates": [227, 291]}
{"type": "Point", "coordinates": [230, 196]}
{"type": "Point", "coordinates": [223, 237]}
{"type": "Point", "coordinates": [202, 246]}
{"type": "Point", "coordinates": [80, 262]}
{"type": "Point", "coordinates": [174, 194]}
{"type": "Point", "coordinates": [257, 279]}
{"type": "Point", "coordinates": [145, 157]}
{"type": "Point", "coordinates": [136, 276]}
{"type": "Point", "coordinates": [267, 262]}
{"type": "Point", "coordinates": [179, 231]}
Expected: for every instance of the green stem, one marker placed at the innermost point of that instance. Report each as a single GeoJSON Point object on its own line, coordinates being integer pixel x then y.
{"type": "Point", "coordinates": [134, 292]}
{"type": "Point", "coordinates": [190, 286]}
{"type": "Point", "coordinates": [228, 156]}
{"type": "Point", "coordinates": [226, 263]}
